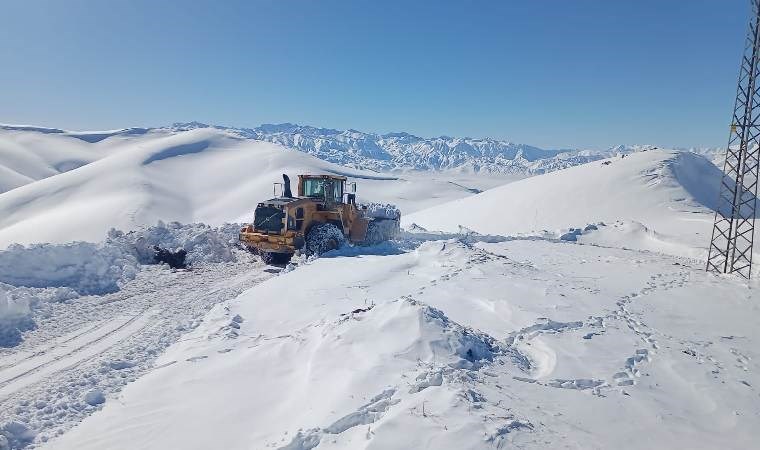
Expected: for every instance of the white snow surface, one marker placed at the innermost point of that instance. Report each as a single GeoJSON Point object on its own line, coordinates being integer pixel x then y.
{"type": "Point", "coordinates": [28, 154]}
{"type": "Point", "coordinates": [570, 309]}
{"type": "Point", "coordinates": [662, 200]}
{"type": "Point", "coordinates": [532, 343]}
{"type": "Point", "coordinates": [77, 351]}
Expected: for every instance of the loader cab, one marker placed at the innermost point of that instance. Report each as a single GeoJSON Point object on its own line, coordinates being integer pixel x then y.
{"type": "Point", "coordinates": [327, 188]}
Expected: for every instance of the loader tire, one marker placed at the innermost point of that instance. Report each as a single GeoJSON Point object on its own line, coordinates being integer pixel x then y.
{"type": "Point", "coordinates": [322, 238]}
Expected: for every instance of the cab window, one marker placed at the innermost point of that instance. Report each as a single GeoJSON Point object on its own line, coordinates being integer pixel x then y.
{"type": "Point", "coordinates": [323, 188]}
{"type": "Point", "coordinates": [314, 187]}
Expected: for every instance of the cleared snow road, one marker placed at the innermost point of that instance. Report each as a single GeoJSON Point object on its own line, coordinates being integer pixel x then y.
{"type": "Point", "coordinates": [67, 355]}
{"type": "Point", "coordinates": [97, 344]}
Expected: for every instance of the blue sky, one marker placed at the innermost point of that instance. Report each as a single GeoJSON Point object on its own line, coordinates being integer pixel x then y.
{"type": "Point", "coordinates": [553, 73]}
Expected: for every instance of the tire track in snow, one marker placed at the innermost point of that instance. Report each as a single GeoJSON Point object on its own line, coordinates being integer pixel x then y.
{"type": "Point", "coordinates": [24, 362]}
{"type": "Point", "coordinates": [41, 349]}
{"type": "Point", "coordinates": [62, 358]}
{"type": "Point", "coordinates": [102, 343]}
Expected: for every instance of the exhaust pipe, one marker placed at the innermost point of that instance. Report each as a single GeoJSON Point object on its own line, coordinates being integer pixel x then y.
{"type": "Point", "coordinates": [286, 189]}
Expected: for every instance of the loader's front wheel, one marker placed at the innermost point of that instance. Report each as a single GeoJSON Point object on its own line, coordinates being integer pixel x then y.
{"type": "Point", "coordinates": [322, 238]}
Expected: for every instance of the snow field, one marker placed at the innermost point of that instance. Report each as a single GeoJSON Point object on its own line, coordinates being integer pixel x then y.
{"type": "Point", "coordinates": [543, 308]}
{"type": "Point", "coordinates": [457, 344]}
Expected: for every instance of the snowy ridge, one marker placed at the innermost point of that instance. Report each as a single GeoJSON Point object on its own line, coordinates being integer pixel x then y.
{"type": "Point", "coordinates": [653, 200]}
{"type": "Point", "coordinates": [28, 154]}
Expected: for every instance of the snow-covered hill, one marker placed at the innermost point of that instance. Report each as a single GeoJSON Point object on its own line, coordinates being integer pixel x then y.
{"type": "Point", "coordinates": [203, 175]}
{"type": "Point", "coordinates": [28, 154]}
{"type": "Point", "coordinates": [58, 185]}
{"type": "Point", "coordinates": [662, 201]}
{"type": "Point", "coordinates": [194, 176]}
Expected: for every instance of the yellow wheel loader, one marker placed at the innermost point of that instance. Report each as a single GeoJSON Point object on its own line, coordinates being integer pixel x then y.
{"type": "Point", "coordinates": [322, 217]}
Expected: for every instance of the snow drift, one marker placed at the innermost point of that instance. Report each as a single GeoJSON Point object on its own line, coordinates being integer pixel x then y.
{"type": "Point", "coordinates": [98, 268]}
{"type": "Point", "coordinates": [324, 352]}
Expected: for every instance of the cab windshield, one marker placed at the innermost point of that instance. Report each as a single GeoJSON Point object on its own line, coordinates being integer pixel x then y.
{"type": "Point", "coordinates": [323, 188]}
{"type": "Point", "coordinates": [314, 187]}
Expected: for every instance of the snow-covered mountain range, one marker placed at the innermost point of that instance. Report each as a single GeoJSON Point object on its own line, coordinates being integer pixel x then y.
{"type": "Point", "coordinates": [404, 151]}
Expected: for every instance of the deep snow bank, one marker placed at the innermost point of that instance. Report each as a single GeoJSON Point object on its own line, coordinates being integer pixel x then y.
{"type": "Point", "coordinates": [17, 308]}
{"type": "Point", "coordinates": [98, 268]}
{"type": "Point", "coordinates": [15, 315]}
{"type": "Point", "coordinates": [30, 275]}
{"type": "Point", "coordinates": [202, 243]}
{"type": "Point", "coordinates": [85, 267]}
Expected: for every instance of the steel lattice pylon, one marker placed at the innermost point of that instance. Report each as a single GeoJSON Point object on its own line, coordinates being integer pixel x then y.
{"type": "Point", "coordinates": [734, 228]}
